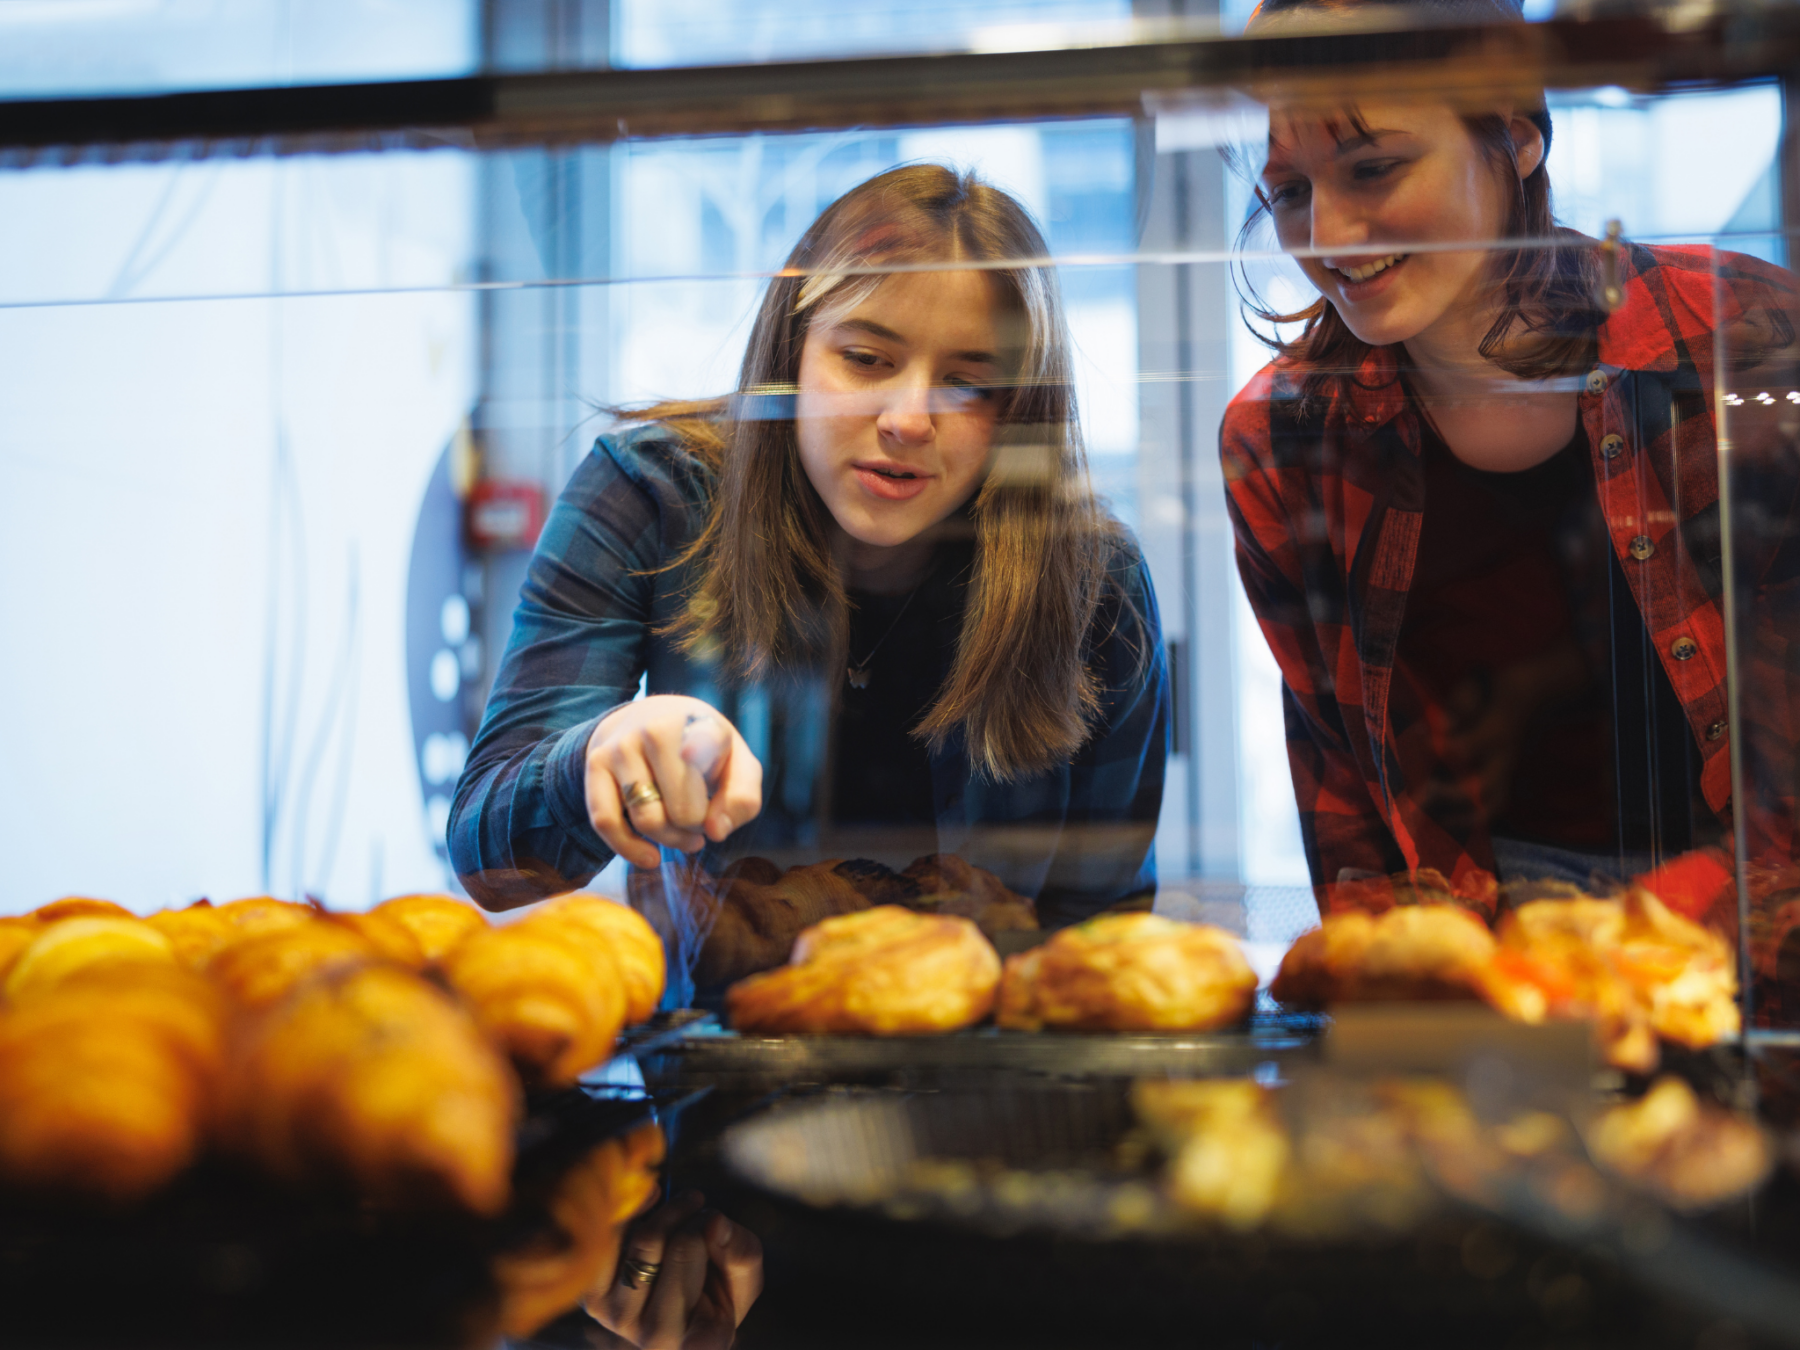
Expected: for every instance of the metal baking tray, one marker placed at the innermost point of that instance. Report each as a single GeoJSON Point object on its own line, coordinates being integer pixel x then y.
{"type": "Point", "coordinates": [1065, 1164]}
{"type": "Point", "coordinates": [697, 1049]}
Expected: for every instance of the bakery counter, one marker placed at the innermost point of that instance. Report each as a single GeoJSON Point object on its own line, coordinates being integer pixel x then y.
{"type": "Point", "coordinates": [1047, 1210]}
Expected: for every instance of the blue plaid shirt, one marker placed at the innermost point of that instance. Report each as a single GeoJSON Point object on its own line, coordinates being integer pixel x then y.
{"type": "Point", "coordinates": [1076, 839]}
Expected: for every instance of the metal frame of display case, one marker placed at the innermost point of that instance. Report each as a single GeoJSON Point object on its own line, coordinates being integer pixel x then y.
{"type": "Point", "coordinates": [1681, 49]}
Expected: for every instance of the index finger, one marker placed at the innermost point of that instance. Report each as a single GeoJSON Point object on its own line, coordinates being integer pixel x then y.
{"type": "Point", "coordinates": [738, 800]}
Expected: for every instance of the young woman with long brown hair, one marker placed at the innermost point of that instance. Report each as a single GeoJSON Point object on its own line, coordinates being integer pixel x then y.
{"type": "Point", "coordinates": [872, 589]}
{"type": "Point", "coordinates": [1476, 498]}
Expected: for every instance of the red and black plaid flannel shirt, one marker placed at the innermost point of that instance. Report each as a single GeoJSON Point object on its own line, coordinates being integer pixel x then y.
{"type": "Point", "coordinates": [1327, 512]}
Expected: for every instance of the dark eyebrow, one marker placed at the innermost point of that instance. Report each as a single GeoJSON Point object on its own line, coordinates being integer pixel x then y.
{"type": "Point", "coordinates": [1359, 140]}
{"type": "Point", "coordinates": [874, 329]}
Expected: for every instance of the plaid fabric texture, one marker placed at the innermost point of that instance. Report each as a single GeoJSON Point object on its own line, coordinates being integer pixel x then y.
{"type": "Point", "coordinates": [586, 630]}
{"type": "Point", "coordinates": [1327, 513]}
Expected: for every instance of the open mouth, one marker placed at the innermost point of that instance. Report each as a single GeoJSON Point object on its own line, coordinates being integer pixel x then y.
{"type": "Point", "coordinates": [891, 482]}
{"type": "Point", "coordinates": [1365, 271]}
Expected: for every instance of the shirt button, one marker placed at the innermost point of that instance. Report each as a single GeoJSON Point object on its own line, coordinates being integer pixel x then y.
{"type": "Point", "coordinates": [1612, 446]}
{"type": "Point", "coordinates": [1683, 649]}
{"type": "Point", "coordinates": [1642, 548]}
{"type": "Point", "coordinates": [1596, 381]}
{"type": "Point", "coordinates": [1716, 730]}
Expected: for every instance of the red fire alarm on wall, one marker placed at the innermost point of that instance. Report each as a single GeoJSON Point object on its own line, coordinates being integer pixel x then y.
{"type": "Point", "coordinates": [505, 513]}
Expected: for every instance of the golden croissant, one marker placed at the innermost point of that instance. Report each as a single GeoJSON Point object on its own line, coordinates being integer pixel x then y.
{"type": "Point", "coordinates": [883, 972]}
{"type": "Point", "coordinates": [62, 948]}
{"type": "Point", "coordinates": [373, 1075]}
{"type": "Point", "coordinates": [80, 907]}
{"type": "Point", "coordinates": [108, 1079]}
{"type": "Point", "coordinates": [631, 941]}
{"type": "Point", "coordinates": [548, 994]}
{"type": "Point", "coordinates": [16, 934]}
{"type": "Point", "coordinates": [437, 922]}
{"type": "Point", "coordinates": [1129, 972]}
{"type": "Point", "coordinates": [261, 970]}
{"type": "Point", "coordinates": [588, 1211]}
{"type": "Point", "coordinates": [197, 933]}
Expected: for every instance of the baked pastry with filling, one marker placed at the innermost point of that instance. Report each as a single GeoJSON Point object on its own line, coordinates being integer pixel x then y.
{"type": "Point", "coordinates": [1408, 952]}
{"type": "Point", "coordinates": [1128, 972]}
{"type": "Point", "coordinates": [883, 972]}
{"type": "Point", "coordinates": [437, 922]}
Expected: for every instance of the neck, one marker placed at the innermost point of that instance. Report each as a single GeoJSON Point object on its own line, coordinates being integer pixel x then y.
{"type": "Point", "coordinates": [1446, 359]}
{"type": "Point", "coordinates": [891, 570]}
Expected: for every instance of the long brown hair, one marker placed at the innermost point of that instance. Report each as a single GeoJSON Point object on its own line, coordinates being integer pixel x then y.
{"type": "Point", "coordinates": [1547, 310]}
{"type": "Point", "coordinates": [769, 595]}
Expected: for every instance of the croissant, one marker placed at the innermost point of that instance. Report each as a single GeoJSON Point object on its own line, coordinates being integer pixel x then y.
{"type": "Point", "coordinates": [371, 1074]}
{"type": "Point", "coordinates": [631, 941]}
{"type": "Point", "coordinates": [16, 934]}
{"type": "Point", "coordinates": [437, 922]}
{"type": "Point", "coordinates": [261, 970]}
{"type": "Point", "coordinates": [588, 1213]}
{"type": "Point", "coordinates": [196, 933]}
{"type": "Point", "coordinates": [1129, 972]}
{"type": "Point", "coordinates": [884, 972]}
{"type": "Point", "coordinates": [80, 907]}
{"type": "Point", "coordinates": [263, 913]}
{"type": "Point", "coordinates": [108, 1079]}
{"type": "Point", "coordinates": [386, 934]}
{"type": "Point", "coordinates": [547, 993]}
{"type": "Point", "coordinates": [62, 948]}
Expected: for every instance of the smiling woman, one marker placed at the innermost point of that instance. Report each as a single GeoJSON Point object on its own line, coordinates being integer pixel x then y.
{"type": "Point", "coordinates": [884, 547]}
{"type": "Point", "coordinates": [1476, 497]}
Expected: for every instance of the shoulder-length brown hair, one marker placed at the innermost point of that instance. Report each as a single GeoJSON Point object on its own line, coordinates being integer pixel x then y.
{"type": "Point", "coordinates": [769, 595]}
{"type": "Point", "coordinates": [1547, 310]}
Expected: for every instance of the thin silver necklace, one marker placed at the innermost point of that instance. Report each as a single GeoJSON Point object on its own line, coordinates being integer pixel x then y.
{"type": "Point", "coordinates": [857, 672]}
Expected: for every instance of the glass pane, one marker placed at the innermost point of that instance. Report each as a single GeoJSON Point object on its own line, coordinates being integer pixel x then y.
{"type": "Point", "coordinates": [1359, 520]}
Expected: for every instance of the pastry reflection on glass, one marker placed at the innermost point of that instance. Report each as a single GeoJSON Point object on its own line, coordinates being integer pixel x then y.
{"type": "Point", "coordinates": [372, 1075]}
{"type": "Point", "coordinates": [1129, 972]}
{"type": "Point", "coordinates": [579, 1244]}
{"type": "Point", "coordinates": [108, 1079]}
{"type": "Point", "coordinates": [885, 972]}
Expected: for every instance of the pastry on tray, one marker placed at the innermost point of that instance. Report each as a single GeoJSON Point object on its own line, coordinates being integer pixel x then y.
{"type": "Point", "coordinates": [1434, 951]}
{"type": "Point", "coordinates": [1128, 972]}
{"type": "Point", "coordinates": [372, 1075]}
{"type": "Point", "coordinates": [548, 994]}
{"type": "Point", "coordinates": [749, 916]}
{"type": "Point", "coordinates": [1633, 967]}
{"type": "Point", "coordinates": [63, 948]}
{"type": "Point", "coordinates": [635, 950]}
{"type": "Point", "coordinates": [884, 971]}
{"type": "Point", "coordinates": [108, 1079]}
{"type": "Point", "coordinates": [437, 922]}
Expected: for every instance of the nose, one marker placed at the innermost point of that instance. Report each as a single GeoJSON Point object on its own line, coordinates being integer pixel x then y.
{"type": "Point", "coordinates": [1335, 222]}
{"type": "Point", "coordinates": [906, 411]}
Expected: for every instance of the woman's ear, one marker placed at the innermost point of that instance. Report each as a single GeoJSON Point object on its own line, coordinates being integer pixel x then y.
{"type": "Point", "coordinates": [1528, 145]}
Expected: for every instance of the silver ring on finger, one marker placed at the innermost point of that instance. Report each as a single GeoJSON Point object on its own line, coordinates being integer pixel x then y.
{"type": "Point", "coordinates": [641, 794]}
{"type": "Point", "coordinates": [635, 1274]}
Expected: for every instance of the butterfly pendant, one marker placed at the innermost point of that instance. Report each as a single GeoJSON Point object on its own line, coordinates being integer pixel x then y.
{"type": "Point", "coordinates": [858, 676]}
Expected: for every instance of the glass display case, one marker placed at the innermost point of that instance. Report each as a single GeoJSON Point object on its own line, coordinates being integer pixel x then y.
{"type": "Point", "coordinates": [1079, 462]}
